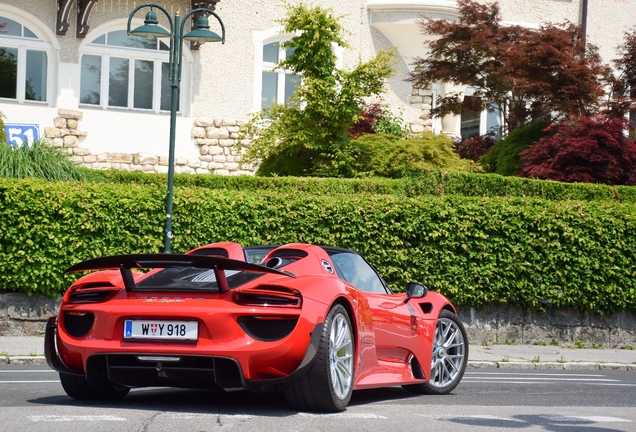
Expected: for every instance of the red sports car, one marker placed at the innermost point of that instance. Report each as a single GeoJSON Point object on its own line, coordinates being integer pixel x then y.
{"type": "Point", "coordinates": [315, 322]}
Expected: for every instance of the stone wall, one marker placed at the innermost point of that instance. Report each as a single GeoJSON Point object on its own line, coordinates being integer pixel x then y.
{"type": "Point", "coordinates": [21, 315]}
{"type": "Point", "coordinates": [215, 139]}
{"type": "Point", "coordinates": [503, 323]}
{"type": "Point", "coordinates": [422, 99]}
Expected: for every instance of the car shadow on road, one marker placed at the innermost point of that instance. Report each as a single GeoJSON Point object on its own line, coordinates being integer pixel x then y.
{"type": "Point", "coordinates": [215, 401]}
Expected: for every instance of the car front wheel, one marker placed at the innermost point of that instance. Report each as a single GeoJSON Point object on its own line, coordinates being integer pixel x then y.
{"type": "Point", "coordinates": [450, 355]}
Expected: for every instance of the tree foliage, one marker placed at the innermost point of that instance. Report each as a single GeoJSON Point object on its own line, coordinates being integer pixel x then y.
{"type": "Point", "coordinates": [309, 135]}
{"type": "Point", "coordinates": [525, 73]}
{"type": "Point", "coordinates": [377, 118]}
{"type": "Point", "coordinates": [622, 95]}
{"type": "Point", "coordinates": [591, 150]}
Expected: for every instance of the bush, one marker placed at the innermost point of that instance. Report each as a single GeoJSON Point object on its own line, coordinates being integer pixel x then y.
{"type": "Point", "coordinates": [504, 156]}
{"type": "Point", "coordinates": [376, 118]}
{"type": "Point", "coordinates": [385, 155]}
{"type": "Point", "coordinates": [437, 183]}
{"type": "Point", "coordinates": [521, 251]}
{"type": "Point", "coordinates": [584, 150]}
{"type": "Point", "coordinates": [3, 134]}
{"type": "Point", "coordinates": [40, 161]}
{"type": "Point", "coordinates": [475, 147]}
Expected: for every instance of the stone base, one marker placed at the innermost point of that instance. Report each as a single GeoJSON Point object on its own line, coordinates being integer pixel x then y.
{"type": "Point", "coordinates": [21, 315]}
{"type": "Point", "coordinates": [503, 323]}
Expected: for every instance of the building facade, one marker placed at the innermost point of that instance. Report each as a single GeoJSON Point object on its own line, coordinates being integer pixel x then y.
{"type": "Point", "coordinates": [70, 75]}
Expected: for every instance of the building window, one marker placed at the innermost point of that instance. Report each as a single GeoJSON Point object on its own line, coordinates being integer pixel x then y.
{"type": "Point", "coordinates": [277, 86]}
{"type": "Point", "coordinates": [125, 72]}
{"type": "Point", "coordinates": [24, 62]}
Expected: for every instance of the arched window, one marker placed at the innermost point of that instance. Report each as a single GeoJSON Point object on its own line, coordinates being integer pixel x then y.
{"type": "Point", "coordinates": [277, 86]}
{"type": "Point", "coordinates": [125, 72]}
{"type": "Point", "coordinates": [24, 62]}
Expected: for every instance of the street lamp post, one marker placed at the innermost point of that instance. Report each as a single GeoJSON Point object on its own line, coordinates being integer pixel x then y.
{"type": "Point", "coordinates": [200, 34]}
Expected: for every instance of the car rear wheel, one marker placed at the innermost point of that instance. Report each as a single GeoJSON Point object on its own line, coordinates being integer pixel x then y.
{"type": "Point", "coordinates": [78, 387]}
{"type": "Point", "coordinates": [329, 383]}
{"type": "Point", "coordinates": [450, 355]}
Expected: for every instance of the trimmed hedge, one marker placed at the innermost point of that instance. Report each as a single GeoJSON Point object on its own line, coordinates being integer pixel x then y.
{"type": "Point", "coordinates": [437, 183]}
{"type": "Point", "coordinates": [475, 250]}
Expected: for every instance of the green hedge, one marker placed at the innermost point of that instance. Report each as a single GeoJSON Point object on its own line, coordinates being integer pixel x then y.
{"type": "Point", "coordinates": [476, 250]}
{"type": "Point", "coordinates": [436, 183]}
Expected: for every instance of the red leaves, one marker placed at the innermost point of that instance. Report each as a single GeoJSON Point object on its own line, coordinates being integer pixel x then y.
{"type": "Point", "coordinates": [590, 150]}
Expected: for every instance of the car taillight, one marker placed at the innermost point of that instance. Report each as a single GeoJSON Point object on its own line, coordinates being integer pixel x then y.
{"type": "Point", "coordinates": [269, 296]}
{"type": "Point", "coordinates": [91, 296]}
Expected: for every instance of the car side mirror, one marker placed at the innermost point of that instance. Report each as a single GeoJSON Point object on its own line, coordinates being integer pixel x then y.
{"type": "Point", "coordinates": [416, 290]}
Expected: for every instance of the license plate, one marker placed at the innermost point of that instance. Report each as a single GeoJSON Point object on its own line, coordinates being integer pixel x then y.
{"type": "Point", "coordinates": [161, 330]}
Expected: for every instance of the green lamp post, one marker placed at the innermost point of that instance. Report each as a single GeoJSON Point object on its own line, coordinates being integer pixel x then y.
{"type": "Point", "coordinates": [200, 34]}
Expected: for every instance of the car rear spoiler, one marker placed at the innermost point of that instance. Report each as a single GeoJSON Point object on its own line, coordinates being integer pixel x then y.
{"type": "Point", "coordinates": [137, 261]}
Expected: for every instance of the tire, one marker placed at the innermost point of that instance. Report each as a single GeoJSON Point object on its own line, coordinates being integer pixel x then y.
{"type": "Point", "coordinates": [450, 356]}
{"type": "Point", "coordinates": [329, 383]}
{"type": "Point", "coordinates": [78, 387]}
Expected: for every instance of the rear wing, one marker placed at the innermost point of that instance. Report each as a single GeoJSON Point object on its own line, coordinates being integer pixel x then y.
{"type": "Point", "coordinates": [125, 263]}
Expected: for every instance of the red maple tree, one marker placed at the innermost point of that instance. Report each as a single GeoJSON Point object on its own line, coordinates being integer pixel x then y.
{"type": "Point", "coordinates": [525, 73]}
{"type": "Point", "coordinates": [590, 150]}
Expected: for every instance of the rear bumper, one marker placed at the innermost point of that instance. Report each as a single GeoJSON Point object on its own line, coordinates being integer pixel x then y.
{"type": "Point", "coordinates": [189, 371]}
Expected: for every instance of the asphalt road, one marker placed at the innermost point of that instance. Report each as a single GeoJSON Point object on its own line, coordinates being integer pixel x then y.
{"type": "Point", "coordinates": [32, 399]}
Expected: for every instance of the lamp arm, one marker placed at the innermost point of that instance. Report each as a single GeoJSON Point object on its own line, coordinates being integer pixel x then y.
{"type": "Point", "coordinates": [208, 11]}
{"type": "Point", "coordinates": [161, 8]}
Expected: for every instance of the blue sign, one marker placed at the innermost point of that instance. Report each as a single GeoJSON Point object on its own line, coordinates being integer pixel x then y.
{"type": "Point", "coordinates": [19, 133]}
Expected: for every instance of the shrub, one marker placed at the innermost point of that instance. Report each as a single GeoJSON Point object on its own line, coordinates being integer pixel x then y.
{"type": "Point", "coordinates": [475, 147]}
{"type": "Point", "coordinates": [385, 155]}
{"type": "Point", "coordinates": [376, 118]}
{"type": "Point", "coordinates": [504, 156]}
{"type": "Point", "coordinates": [476, 250]}
{"type": "Point", "coordinates": [591, 150]}
{"type": "Point", "coordinates": [40, 161]}
{"type": "Point", "coordinates": [3, 134]}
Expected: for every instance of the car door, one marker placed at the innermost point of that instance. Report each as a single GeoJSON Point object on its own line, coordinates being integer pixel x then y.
{"type": "Point", "coordinates": [395, 323]}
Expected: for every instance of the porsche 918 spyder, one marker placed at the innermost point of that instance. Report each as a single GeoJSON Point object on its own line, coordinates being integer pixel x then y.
{"type": "Point", "coordinates": [311, 321]}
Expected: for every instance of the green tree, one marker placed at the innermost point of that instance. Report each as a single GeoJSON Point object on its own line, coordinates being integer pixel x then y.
{"type": "Point", "coordinates": [309, 135]}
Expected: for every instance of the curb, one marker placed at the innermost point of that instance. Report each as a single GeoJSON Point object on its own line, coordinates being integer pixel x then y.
{"type": "Point", "coordinates": [472, 364]}
{"type": "Point", "coordinates": [550, 365]}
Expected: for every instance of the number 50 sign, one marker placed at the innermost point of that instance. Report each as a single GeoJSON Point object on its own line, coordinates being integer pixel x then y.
{"type": "Point", "coordinates": [18, 133]}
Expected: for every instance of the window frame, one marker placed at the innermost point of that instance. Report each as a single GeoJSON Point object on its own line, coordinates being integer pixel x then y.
{"type": "Point", "coordinates": [261, 39]}
{"type": "Point", "coordinates": [24, 44]}
{"type": "Point", "coordinates": [158, 57]}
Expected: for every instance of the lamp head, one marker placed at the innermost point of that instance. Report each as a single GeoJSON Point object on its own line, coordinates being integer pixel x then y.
{"type": "Point", "coordinates": [202, 33]}
{"type": "Point", "coordinates": [151, 28]}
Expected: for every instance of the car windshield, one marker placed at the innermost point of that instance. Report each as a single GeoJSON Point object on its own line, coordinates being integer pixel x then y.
{"type": "Point", "coordinates": [193, 279]}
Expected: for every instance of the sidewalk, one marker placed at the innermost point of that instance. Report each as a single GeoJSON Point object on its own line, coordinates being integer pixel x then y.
{"type": "Point", "coordinates": [30, 350]}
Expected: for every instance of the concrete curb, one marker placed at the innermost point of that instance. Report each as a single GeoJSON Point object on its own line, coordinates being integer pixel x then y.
{"type": "Point", "coordinates": [472, 364]}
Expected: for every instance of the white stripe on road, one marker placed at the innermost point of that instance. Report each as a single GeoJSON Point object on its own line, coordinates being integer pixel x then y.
{"type": "Point", "coordinates": [28, 382]}
{"type": "Point", "coordinates": [72, 418]}
{"type": "Point", "coordinates": [572, 419]}
{"type": "Point", "coordinates": [28, 371]}
{"type": "Point", "coordinates": [343, 416]}
{"type": "Point", "coordinates": [541, 379]}
{"type": "Point", "coordinates": [534, 374]}
{"type": "Point", "coordinates": [194, 416]}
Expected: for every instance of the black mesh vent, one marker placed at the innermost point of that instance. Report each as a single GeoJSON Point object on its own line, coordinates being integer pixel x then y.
{"type": "Point", "coordinates": [78, 325]}
{"type": "Point", "coordinates": [267, 330]}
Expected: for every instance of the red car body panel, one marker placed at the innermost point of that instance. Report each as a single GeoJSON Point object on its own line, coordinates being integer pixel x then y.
{"type": "Point", "coordinates": [391, 333]}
